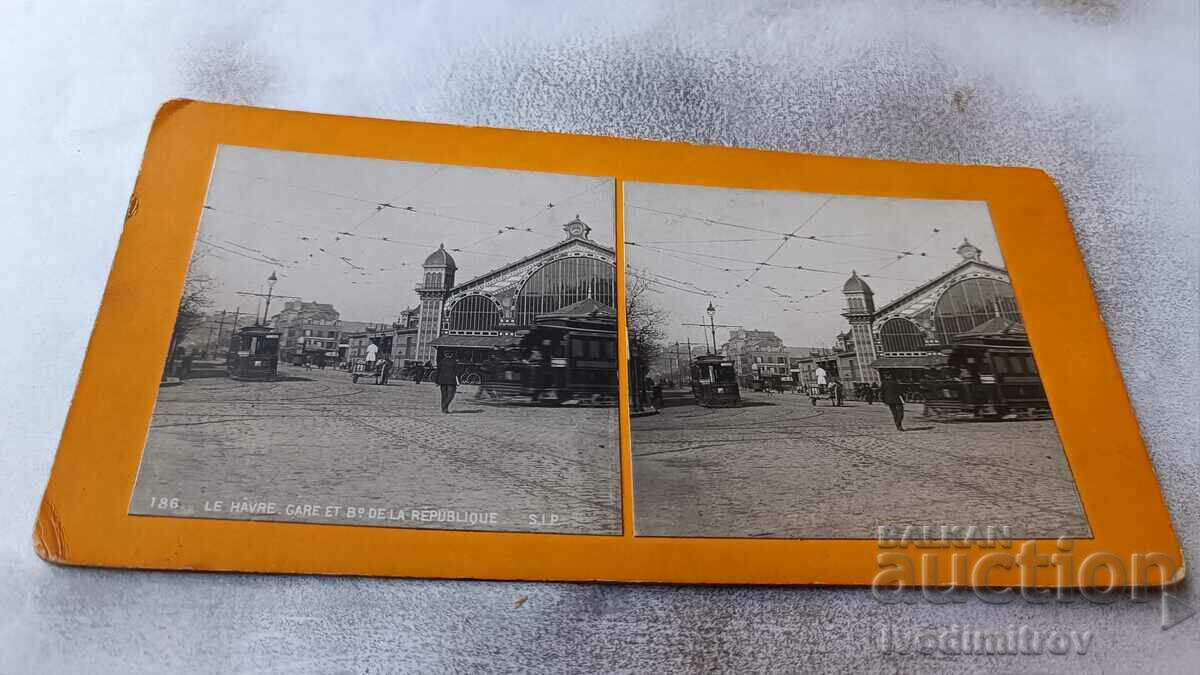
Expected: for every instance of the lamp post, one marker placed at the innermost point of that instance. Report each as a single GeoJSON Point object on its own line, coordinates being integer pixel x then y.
{"type": "Point", "coordinates": [712, 312]}
{"type": "Point", "coordinates": [270, 287]}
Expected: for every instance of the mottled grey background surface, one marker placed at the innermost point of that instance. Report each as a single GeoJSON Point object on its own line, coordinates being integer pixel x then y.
{"type": "Point", "coordinates": [1105, 95]}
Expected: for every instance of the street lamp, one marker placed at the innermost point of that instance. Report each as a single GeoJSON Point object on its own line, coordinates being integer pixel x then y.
{"type": "Point", "coordinates": [270, 287]}
{"type": "Point", "coordinates": [712, 312]}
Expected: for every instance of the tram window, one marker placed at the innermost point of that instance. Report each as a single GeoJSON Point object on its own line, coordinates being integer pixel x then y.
{"type": "Point", "coordinates": [610, 350]}
{"type": "Point", "coordinates": [1001, 365]}
{"type": "Point", "coordinates": [577, 349]}
{"type": "Point", "coordinates": [593, 349]}
{"type": "Point", "coordinates": [1031, 365]}
{"type": "Point", "coordinates": [1018, 365]}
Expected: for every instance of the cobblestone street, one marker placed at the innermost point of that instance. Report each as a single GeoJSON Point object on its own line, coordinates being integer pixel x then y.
{"type": "Point", "coordinates": [779, 467]}
{"type": "Point", "coordinates": [313, 447]}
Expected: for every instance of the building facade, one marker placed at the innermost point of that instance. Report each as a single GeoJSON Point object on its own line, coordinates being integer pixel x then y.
{"type": "Point", "coordinates": [911, 332]}
{"type": "Point", "coordinates": [312, 327]}
{"type": "Point", "coordinates": [759, 357]}
{"type": "Point", "coordinates": [487, 311]}
{"type": "Point", "coordinates": [398, 341]}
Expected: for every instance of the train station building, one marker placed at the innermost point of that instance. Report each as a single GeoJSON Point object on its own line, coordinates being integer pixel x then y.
{"type": "Point", "coordinates": [472, 317]}
{"type": "Point", "coordinates": [911, 333]}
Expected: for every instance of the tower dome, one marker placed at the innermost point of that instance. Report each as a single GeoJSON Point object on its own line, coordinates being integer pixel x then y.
{"type": "Point", "coordinates": [441, 258]}
{"type": "Point", "coordinates": [855, 284]}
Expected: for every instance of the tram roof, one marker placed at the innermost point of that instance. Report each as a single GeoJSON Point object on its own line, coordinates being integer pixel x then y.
{"type": "Point", "coordinates": [246, 330]}
{"type": "Point", "coordinates": [487, 341]}
{"type": "Point", "coordinates": [926, 361]}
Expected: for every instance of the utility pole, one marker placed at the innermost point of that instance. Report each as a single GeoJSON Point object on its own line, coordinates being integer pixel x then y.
{"type": "Point", "coordinates": [208, 342]}
{"type": "Point", "coordinates": [221, 331]}
{"type": "Point", "coordinates": [678, 366]}
{"type": "Point", "coordinates": [689, 344]}
{"type": "Point", "coordinates": [713, 328]}
{"type": "Point", "coordinates": [268, 295]}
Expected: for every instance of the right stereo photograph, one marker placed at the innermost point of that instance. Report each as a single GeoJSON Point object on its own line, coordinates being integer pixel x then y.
{"type": "Point", "coordinates": [815, 366]}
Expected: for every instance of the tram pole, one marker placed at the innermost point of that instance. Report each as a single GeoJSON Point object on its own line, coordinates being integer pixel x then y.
{"type": "Point", "coordinates": [689, 343]}
{"type": "Point", "coordinates": [634, 371]}
{"type": "Point", "coordinates": [220, 332]}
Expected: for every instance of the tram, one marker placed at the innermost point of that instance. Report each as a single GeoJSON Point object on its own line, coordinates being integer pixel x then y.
{"type": "Point", "coordinates": [714, 382]}
{"type": "Point", "coordinates": [253, 354]}
{"type": "Point", "coordinates": [989, 374]}
{"type": "Point", "coordinates": [317, 351]}
{"type": "Point", "coordinates": [554, 364]}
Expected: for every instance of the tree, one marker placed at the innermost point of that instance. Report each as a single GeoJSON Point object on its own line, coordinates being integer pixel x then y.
{"type": "Point", "coordinates": [646, 322]}
{"type": "Point", "coordinates": [192, 303]}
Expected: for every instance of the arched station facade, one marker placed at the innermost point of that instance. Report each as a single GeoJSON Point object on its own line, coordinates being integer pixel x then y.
{"type": "Point", "coordinates": [913, 332]}
{"type": "Point", "coordinates": [489, 310]}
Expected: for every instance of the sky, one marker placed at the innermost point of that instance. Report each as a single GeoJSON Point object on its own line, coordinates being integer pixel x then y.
{"type": "Point", "coordinates": [318, 222]}
{"type": "Point", "coordinates": [700, 244]}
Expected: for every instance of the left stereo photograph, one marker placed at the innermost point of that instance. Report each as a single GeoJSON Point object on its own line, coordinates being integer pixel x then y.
{"type": "Point", "coordinates": [393, 344]}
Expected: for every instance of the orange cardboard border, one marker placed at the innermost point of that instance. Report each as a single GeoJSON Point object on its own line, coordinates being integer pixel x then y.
{"type": "Point", "coordinates": [83, 519]}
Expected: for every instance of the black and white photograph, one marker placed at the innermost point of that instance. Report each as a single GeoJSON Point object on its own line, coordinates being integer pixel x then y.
{"type": "Point", "coordinates": [393, 344]}
{"type": "Point", "coordinates": [832, 367]}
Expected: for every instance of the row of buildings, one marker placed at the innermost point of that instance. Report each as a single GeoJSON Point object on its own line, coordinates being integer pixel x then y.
{"type": "Point", "coordinates": [471, 317]}
{"type": "Point", "coordinates": [905, 336]}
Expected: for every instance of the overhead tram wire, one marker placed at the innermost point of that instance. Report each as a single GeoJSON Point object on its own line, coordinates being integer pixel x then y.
{"type": "Point", "coordinates": [898, 258]}
{"type": "Point", "coordinates": [302, 188]}
{"type": "Point", "coordinates": [390, 203]}
{"type": "Point", "coordinates": [381, 206]}
{"type": "Point", "coordinates": [805, 268]}
{"type": "Point", "coordinates": [789, 236]}
{"type": "Point", "coordinates": [670, 282]}
{"type": "Point", "coordinates": [784, 235]}
{"type": "Point", "coordinates": [297, 233]}
{"type": "Point", "coordinates": [236, 252]}
{"type": "Point", "coordinates": [520, 227]}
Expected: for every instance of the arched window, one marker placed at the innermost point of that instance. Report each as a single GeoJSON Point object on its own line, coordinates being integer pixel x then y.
{"type": "Point", "coordinates": [969, 303]}
{"type": "Point", "coordinates": [564, 282]}
{"type": "Point", "coordinates": [901, 335]}
{"type": "Point", "coordinates": [475, 313]}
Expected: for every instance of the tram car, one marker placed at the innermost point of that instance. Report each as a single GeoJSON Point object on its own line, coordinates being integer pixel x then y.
{"type": "Point", "coordinates": [253, 354]}
{"type": "Point", "coordinates": [714, 382]}
{"type": "Point", "coordinates": [319, 352]}
{"type": "Point", "coordinates": [554, 364]}
{"type": "Point", "coordinates": [989, 374]}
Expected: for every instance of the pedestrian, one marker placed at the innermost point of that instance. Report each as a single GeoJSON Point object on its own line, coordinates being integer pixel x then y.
{"type": "Point", "coordinates": [657, 399]}
{"type": "Point", "coordinates": [421, 371]}
{"type": "Point", "coordinates": [839, 393]}
{"type": "Point", "coordinates": [385, 371]}
{"type": "Point", "coordinates": [869, 394]}
{"type": "Point", "coordinates": [447, 379]}
{"type": "Point", "coordinates": [892, 397]}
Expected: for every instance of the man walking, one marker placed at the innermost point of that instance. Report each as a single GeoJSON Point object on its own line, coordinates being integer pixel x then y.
{"type": "Point", "coordinates": [892, 398]}
{"type": "Point", "coordinates": [447, 379]}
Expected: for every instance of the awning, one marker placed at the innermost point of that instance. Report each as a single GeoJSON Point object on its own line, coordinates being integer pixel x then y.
{"type": "Point", "coordinates": [584, 309]}
{"type": "Point", "coordinates": [481, 341]}
{"type": "Point", "coordinates": [927, 361]}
